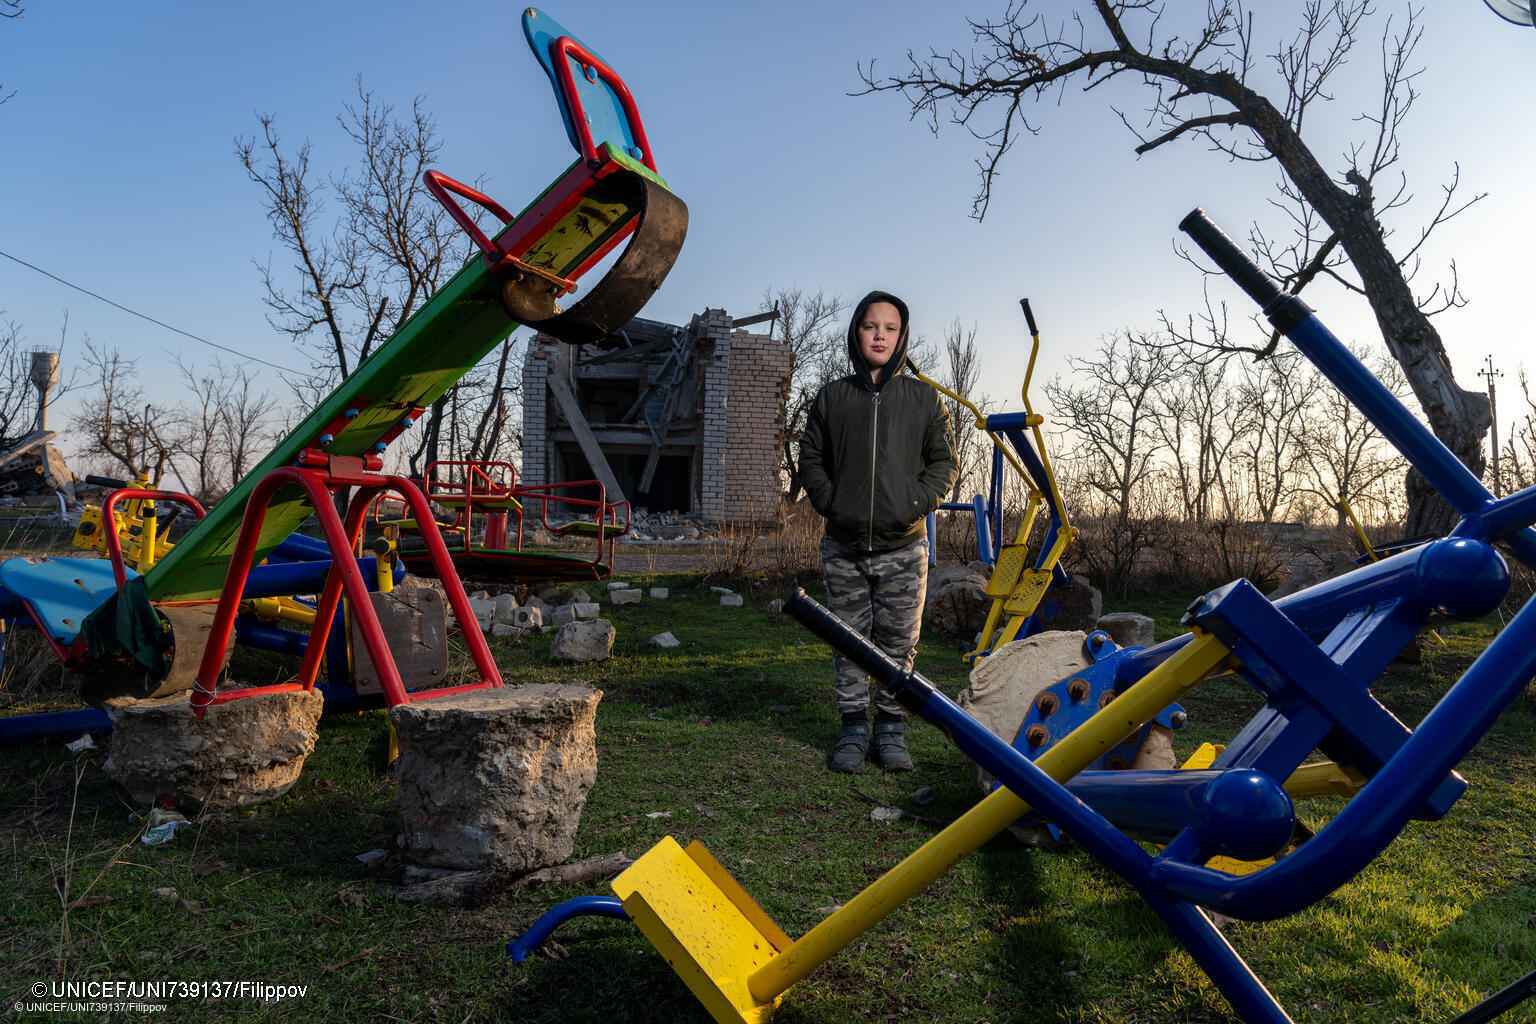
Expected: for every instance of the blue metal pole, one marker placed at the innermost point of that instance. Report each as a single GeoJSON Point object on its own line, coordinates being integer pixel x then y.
{"type": "Point", "coordinates": [1370, 821]}
{"type": "Point", "coordinates": [1453, 577]}
{"type": "Point", "coordinates": [1026, 780]}
{"type": "Point", "coordinates": [983, 539]}
{"type": "Point", "coordinates": [554, 917]}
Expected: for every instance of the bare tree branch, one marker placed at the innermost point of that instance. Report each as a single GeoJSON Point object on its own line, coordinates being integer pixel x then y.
{"type": "Point", "coordinates": [1203, 86]}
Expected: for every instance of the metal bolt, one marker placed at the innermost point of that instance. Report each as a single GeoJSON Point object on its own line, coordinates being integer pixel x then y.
{"type": "Point", "coordinates": [1037, 735]}
{"type": "Point", "coordinates": [1178, 718]}
{"type": "Point", "coordinates": [1077, 688]}
{"type": "Point", "coordinates": [1106, 697]}
{"type": "Point", "coordinates": [1047, 703]}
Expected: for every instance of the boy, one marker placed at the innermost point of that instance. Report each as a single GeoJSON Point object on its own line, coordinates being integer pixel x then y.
{"type": "Point", "coordinates": [877, 455]}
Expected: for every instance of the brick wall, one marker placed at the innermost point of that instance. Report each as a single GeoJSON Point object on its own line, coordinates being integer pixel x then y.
{"type": "Point", "coordinates": [538, 364]}
{"type": "Point", "coordinates": [743, 384]}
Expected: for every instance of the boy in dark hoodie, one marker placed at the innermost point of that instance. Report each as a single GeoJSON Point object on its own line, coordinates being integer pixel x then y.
{"type": "Point", "coordinates": [877, 455]}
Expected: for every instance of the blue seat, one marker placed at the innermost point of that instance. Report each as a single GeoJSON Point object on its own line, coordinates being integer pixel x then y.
{"type": "Point", "coordinates": [57, 593]}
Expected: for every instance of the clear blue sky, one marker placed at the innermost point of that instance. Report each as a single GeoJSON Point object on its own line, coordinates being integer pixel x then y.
{"type": "Point", "coordinates": [121, 173]}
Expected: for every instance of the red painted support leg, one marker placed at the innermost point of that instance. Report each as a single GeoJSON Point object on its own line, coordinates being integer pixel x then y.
{"type": "Point", "coordinates": [343, 579]}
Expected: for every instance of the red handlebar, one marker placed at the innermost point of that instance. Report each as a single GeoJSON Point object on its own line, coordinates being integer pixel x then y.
{"type": "Point", "coordinates": [109, 521]}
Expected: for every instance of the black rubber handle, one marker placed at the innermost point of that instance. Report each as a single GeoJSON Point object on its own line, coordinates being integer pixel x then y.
{"type": "Point", "coordinates": [1284, 310]}
{"type": "Point", "coordinates": [910, 689]}
{"type": "Point", "coordinates": [1029, 316]}
{"type": "Point", "coordinates": [1235, 263]}
{"type": "Point", "coordinates": [106, 481]}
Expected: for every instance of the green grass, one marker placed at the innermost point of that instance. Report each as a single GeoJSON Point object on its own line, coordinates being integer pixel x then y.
{"type": "Point", "coordinates": [724, 740]}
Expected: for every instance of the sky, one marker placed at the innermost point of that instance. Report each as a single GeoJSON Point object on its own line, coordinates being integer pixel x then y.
{"type": "Point", "coordinates": [121, 174]}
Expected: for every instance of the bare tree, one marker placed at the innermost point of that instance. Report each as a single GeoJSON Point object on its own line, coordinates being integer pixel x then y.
{"type": "Point", "coordinates": [244, 431]}
{"type": "Point", "coordinates": [1200, 86]}
{"type": "Point", "coordinates": [961, 368]}
{"type": "Point", "coordinates": [199, 427]}
{"type": "Point", "coordinates": [1272, 398]}
{"type": "Point", "coordinates": [1110, 413]}
{"type": "Point", "coordinates": [118, 425]}
{"type": "Point", "coordinates": [495, 429]}
{"type": "Point", "coordinates": [812, 327]}
{"type": "Point", "coordinates": [357, 278]}
{"type": "Point", "coordinates": [1518, 462]}
{"type": "Point", "coordinates": [221, 425]}
{"type": "Point", "coordinates": [1342, 455]}
{"type": "Point", "coordinates": [1190, 416]}
{"type": "Point", "coordinates": [16, 391]}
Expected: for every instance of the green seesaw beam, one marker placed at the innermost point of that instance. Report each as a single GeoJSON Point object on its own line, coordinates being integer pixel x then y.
{"type": "Point", "coordinates": [442, 342]}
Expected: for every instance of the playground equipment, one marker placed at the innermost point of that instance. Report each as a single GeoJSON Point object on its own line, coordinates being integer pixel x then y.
{"type": "Point", "coordinates": [118, 619]}
{"type": "Point", "coordinates": [485, 536]}
{"type": "Point", "coordinates": [1016, 587]}
{"type": "Point", "coordinates": [1312, 656]}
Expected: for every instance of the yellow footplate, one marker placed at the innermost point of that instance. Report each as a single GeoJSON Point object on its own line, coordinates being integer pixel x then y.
{"type": "Point", "coordinates": [704, 924]}
{"type": "Point", "coordinates": [1026, 596]}
{"type": "Point", "coordinates": [1012, 560]}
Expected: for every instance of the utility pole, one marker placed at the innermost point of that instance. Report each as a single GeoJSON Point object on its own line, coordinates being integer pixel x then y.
{"type": "Point", "coordinates": [1493, 427]}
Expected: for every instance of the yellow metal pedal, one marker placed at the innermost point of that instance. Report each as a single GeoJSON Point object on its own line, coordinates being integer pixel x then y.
{"type": "Point", "coordinates": [704, 924]}
{"type": "Point", "coordinates": [1011, 562]}
{"type": "Point", "coordinates": [1026, 596]}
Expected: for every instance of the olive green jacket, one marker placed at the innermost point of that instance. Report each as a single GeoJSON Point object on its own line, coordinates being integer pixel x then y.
{"type": "Point", "coordinates": [875, 462]}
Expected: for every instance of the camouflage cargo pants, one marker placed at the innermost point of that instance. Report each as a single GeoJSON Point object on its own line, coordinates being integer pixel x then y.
{"type": "Point", "coordinates": [879, 595]}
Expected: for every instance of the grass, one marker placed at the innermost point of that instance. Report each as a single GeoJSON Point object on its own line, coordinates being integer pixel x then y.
{"type": "Point", "coordinates": [724, 739]}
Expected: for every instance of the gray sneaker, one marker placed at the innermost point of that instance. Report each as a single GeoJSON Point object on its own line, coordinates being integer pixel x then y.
{"type": "Point", "coordinates": [891, 747]}
{"type": "Point", "coordinates": [849, 748]}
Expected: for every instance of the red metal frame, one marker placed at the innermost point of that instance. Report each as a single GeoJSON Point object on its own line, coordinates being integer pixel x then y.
{"type": "Point", "coordinates": [109, 521]}
{"type": "Point", "coordinates": [344, 577]}
{"type": "Point", "coordinates": [604, 515]}
{"type": "Point", "coordinates": [564, 48]}
{"type": "Point", "coordinates": [548, 210]}
{"type": "Point", "coordinates": [470, 495]}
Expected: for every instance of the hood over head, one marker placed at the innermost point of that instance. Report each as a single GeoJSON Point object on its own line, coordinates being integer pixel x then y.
{"type": "Point", "coordinates": [898, 356]}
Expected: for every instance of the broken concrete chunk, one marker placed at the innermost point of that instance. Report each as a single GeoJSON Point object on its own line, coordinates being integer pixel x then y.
{"type": "Point", "coordinates": [618, 586]}
{"type": "Point", "coordinates": [587, 609]}
{"type": "Point", "coordinates": [776, 606]}
{"type": "Point", "coordinates": [626, 596]}
{"type": "Point", "coordinates": [731, 600]}
{"type": "Point", "coordinates": [247, 751]}
{"type": "Point", "coordinates": [496, 779]}
{"type": "Point", "coordinates": [563, 614]}
{"type": "Point", "coordinates": [527, 617]}
{"type": "Point", "coordinates": [665, 640]}
{"type": "Point", "coordinates": [588, 640]}
{"type": "Point", "coordinates": [506, 608]}
{"type": "Point", "coordinates": [659, 593]}
{"type": "Point", "coordinates": [1128, 629]}
{"type": "Point", "coordinates": [1004, 684]}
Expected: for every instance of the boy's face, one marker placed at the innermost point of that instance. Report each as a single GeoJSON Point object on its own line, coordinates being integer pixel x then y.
{"type": "Point", "coordinates": [879, 330]}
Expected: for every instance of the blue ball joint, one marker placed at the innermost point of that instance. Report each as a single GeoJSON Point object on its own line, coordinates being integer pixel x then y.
{"type": "Point", "coordinates": [1246, 814]}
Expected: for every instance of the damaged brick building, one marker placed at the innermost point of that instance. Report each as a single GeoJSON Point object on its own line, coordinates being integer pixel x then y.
{"type": "Point", "coordinates": [674, 418]}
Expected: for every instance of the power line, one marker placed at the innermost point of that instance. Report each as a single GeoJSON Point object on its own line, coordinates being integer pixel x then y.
{"type": "Point", "coordinates": [158, 323]}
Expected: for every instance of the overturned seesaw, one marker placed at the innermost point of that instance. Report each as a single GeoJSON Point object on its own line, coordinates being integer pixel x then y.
{"type": "Point", "coordinates": [1313, 658]}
